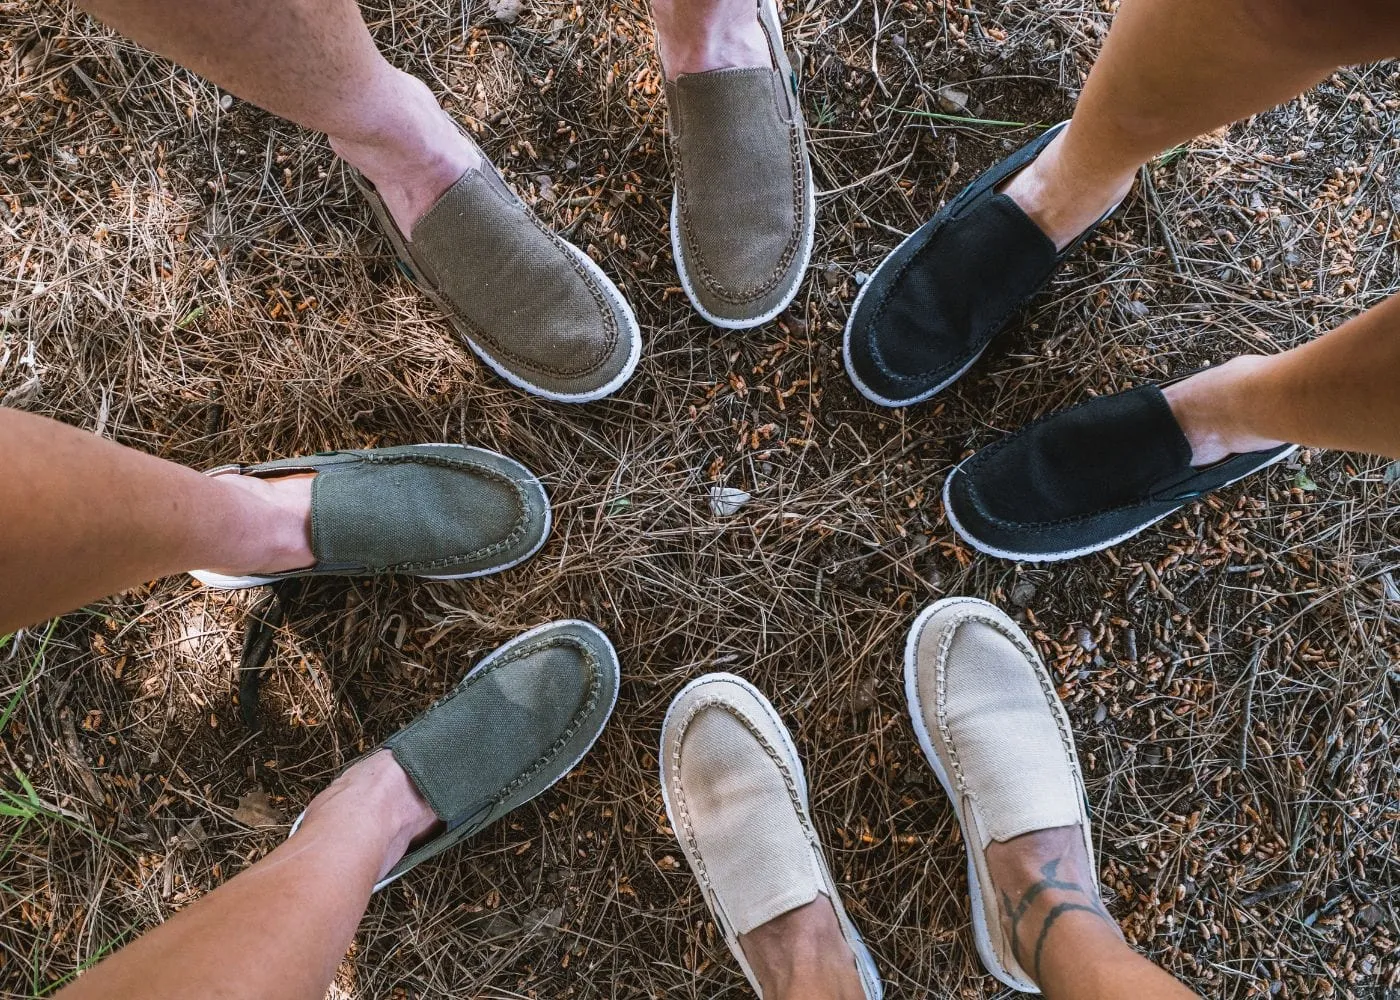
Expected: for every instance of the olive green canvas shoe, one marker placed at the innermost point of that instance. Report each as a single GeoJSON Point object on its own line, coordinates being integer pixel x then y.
{"type": "Point", "coordinates": [533, 306]}
{"type": "Point", "coordinates": [514, 726]}
{"type": "Point", "coordinates": [441, 511]}
{"type": "Point", "coordinates": [743, 212]}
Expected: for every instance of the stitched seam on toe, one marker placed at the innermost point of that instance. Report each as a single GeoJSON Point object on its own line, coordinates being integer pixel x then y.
{"type": "Point", "coordinates": [799, 201]}
{"type": "Point", "coordinates": [509, 541]}
{"type": "Point", "coordinates": [715, 701]}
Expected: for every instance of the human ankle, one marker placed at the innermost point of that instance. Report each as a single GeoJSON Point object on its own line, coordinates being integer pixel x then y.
{"type": "Point", "coordinates": [408, 148]}
{"type": "Point", "coordinates": [1207, 408]}
{"type": "Point", "coordinates": [273, 533]}
{"type": "Point", "coordinates": [379, 789]}
{"type": "Point", "coordinates": [1047, 888]}
{"type": "Point", "coordinates": [802, 954]}
{"type": "Point", "coordinates": [696, 36]}
{"type": "Point", "coordinates": [1064, 203]}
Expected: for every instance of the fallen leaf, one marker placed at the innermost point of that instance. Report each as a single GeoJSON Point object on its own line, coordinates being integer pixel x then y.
{"type": "Point", "coordinates": [255, 809]}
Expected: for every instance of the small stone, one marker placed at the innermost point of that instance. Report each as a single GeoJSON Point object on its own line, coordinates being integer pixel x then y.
{"type": "Point", "coordinates": [951, 100]}
{"type": "Point", "coordinates": [1085, 639]}
{"type": "Point", "coordinates": [1138, 308]}
{"type": "Point", "coordinates": [255, 809]}
{"type": "Point", "coordinates": [1022, 593]}
{"type": "Point", "coordinates": [1100, 714]}
{"type": "Point", "coordinates": [863, 698]}
{"type": "Point", "coordinates": [505, 11]}
{"type": "Point", "coordinates": [725, 501]}
{"type": "Point", "coordinates": [226, 101]}
{"type": "Point", "coordinates": [862, 277]}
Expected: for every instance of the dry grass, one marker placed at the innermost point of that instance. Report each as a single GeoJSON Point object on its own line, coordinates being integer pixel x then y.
{"type": "Point", "coordinates": [200, 284]}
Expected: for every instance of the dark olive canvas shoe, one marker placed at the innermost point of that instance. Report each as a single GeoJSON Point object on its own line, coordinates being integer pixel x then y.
{"type": "Point", "coordinates": [515, 725]}
{"type": "Point", "coordinates": [533, 306]}
{"type": "Point", "coordinates": [934, 305]}
{"type": "Point", "coordinates": [743, 212]}
{"type": "Point", "coordinates": [442, 511]}
{"type": "Point", "coordinates": [1085, 479]}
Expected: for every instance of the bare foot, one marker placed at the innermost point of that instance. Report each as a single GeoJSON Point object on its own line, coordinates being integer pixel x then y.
{"type": "Point", "coordinates": [1203, 404]}
{"type": "Point", "coordinates": [376, 790]}
{"type": "Point", "coordinates": [415, 154]}
{"type": "Point", "coordinates": [1045, 883]}
{"type": "Point", "coordinates": [1060, 204]}
{"type": "Point", "coordinates": [802, 954]}
{"type": "Point", "coordinates": [700, 35]}
{"type": "Point", "coordinates": [283, 539]}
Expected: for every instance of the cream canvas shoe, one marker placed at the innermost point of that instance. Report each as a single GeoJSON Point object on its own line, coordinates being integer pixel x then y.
{"type": "Point", "coordinates": [737, 798]}
{"type": "Point", "coordinates": [987, 716]}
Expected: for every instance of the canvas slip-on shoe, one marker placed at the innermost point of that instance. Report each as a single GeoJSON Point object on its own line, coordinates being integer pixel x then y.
{"type": "Point", "coordinates": [743, 212]}
{"type": "Point", "coordinates": [441, 511]}
{"type": "Point", "coordinates": [1085, 479]}
{"type": "Point", "coordinates": [989, 723]}
{"type": "Point", "coordinates": [935, 304]}
{"type": "Point", "coordinates": [533, 306]}
{"type": "Point", "coordinates": [736, 796]}
{"type": "Point", "coordinates": [516, 724]}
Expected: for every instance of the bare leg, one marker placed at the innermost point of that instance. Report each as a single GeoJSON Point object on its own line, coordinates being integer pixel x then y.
{"type": "Point", "coordinates": [801, 955]}
{"type": "Point", "coordinates": [1171, 70]}
{"type": "Point", "coordinates": [278, 930]}
{"type": "Point", "coordinates": [1163, 79]}
{"type": "Point", "coordinates": [313, 62]}
{"type": "Point", "coordinates": [84, 517]}
{"type": "Point", "coordinates": [1341, 390]}
{"type": "Point", "coordinates": [700, 35]}
{"type": "Point", "coordinates": [1063, 936]}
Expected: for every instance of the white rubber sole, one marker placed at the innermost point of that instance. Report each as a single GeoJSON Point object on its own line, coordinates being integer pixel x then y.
{"type": "Point", "coordinates": [808, 239]}
{"type": "Point", "coordinates": [864, 960]}
{"type": "Point", "coordinates": [927, 394]}
{"type": "Point", "coordinates": [980, 936]}
{"type": "Point", "coordinates": [630, 329]}
{"type": "Point", "coordinates": [1045, 557]}
{"type": "Point", "coordinates": [490, 658]}
{"type": "Point", "coordinates": [217, 581]}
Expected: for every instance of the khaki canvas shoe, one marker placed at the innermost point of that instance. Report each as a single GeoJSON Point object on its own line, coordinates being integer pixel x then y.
{"type": "Point", "coordinates": [737, 798]}
{"type": "Point", "coordinates": [988, 719]}
{"type": "Point", "coordinates": [743, 212]}
{"type": "Point", "coordinates": [531, 305]}
{"type": "Point", "coordinates": [441, 511]}
{"type": "Point", "coordinates": [516, 724]}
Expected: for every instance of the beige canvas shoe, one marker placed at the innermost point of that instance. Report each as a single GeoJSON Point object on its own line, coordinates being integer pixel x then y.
{"type": "Point", "coordinates": [743, 212]}
{"type": "Point", "coordinates": [531, 305]}
{"type": "Point", "coordinates": [986, 714]}
{"type": "Point", "coordinates": [736, 796]}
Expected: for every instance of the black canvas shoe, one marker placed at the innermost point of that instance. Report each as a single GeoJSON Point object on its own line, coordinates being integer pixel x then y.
{"type": "Point", "coordinates": [1084, 479]}
{"type": "Point", "coordinates": [934, 304]}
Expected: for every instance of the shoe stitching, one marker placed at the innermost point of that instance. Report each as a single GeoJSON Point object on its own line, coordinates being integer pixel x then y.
{"type": "Point", "coordinates": [947, 216]}
{"type": "Point", "coordinates": [804, 820]}
{"type": "Point", "coordinates": [1022, 644]}
{"type": "Point", "coordinates": [421, 279]}
{"type": "Point", "coordinates": [508, 542]}
{"type": "Point", "coordinates": [986, 454]}
{"type": "Point", "coordinates": [551, 752]}
{"type": "Point", "coordinates": [799, 183]}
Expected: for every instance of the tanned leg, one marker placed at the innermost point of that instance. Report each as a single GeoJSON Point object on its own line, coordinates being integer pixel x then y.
{"type": "Point", "coordinates": [1061, 933]}
{"type": "Point", "coordinates": [801, 955]}
{"type": "Point", "coordinates": [313, 62]}
{"type": "Point", "coordinates": [84, 518]}
{"type": "Point", "coordinates": [1171, 70]}
{"type": "Point", "coordinates": [278, 930]}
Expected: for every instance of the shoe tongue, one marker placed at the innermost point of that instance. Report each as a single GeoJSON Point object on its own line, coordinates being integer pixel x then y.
{"type": "Point", "coordinates": [1014, 760]}
{"type": "Point", "coordinates": [963, 284]}
{"type": "Point", "coordinates": [1107, 453]}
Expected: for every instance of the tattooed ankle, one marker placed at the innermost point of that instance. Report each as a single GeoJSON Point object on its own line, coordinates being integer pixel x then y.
{"type": "Point", "coordinates": [1084, 899]}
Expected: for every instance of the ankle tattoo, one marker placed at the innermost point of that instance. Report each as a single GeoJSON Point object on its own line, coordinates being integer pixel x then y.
{"type": "Point", "coordinates": [1049, 880]}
